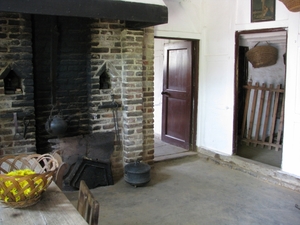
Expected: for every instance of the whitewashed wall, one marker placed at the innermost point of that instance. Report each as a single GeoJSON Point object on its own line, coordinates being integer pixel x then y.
{"type": "Point", "coordinates": [158, 84]}
{"type": "Point", "coordinates": [214, 23]}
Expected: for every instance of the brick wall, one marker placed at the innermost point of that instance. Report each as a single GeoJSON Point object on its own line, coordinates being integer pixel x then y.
{"type": "Point", "coordinates": [106, 53]}
{"type": "Point", "coordinates": [148, 95]}
{"type": "Point", "coordinates": [130, 56]}
{"type": "Point", "coordinates": [132, 94]}
{"type": "Point", "coordinates": [87, 48]}
{"type": "Point", "coordinates": [16, 55]}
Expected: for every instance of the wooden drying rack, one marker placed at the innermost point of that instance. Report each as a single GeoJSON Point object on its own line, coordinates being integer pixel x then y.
{"type": "Point", "coordinates": [265, 113]}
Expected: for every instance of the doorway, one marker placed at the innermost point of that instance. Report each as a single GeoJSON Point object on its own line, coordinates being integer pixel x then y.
{"type": "Point", "coordinates": [168, 121]}
{"type": "Point", "coordinates": [259, 98]}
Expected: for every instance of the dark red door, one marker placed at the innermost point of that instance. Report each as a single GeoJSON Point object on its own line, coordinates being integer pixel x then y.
{"type": "Point", "coordinates": [177, 94]}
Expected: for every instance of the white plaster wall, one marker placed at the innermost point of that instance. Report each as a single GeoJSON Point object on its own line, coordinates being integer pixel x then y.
{"type": "Point", "coordinates": [158, 84]}
{"type": "Point", "coordinates": [184, 19]}
{"type": "Point", "coordinates": [214, 23]}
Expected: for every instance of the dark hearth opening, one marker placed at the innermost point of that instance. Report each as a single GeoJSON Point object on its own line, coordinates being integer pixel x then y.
{"type": "Point", "coordinates": [95, 173]}
{"type": "Point", "coordinates": [62, 68]}
{"type": "Point", "coordinates": [88, 157]}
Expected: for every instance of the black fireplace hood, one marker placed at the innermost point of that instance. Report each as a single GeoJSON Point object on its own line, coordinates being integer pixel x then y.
{"type": "Point", "coordinates": [136, 14]}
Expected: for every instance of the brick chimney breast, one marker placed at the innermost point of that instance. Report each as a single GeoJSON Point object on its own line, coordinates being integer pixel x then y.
{"type": "Point", "coordinates": [80, 53]}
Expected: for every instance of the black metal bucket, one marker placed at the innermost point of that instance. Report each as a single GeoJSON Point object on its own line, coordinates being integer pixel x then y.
{"type": "Point", "coordinates": [137, 174]}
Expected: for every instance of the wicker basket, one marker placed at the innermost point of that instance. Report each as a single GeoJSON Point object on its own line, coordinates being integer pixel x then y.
{"type": "Point", "coordinates": [292, 5]}
{"type": "Point", "coordinates": [24, 191]}
{"type": "Point", "coordinates": [261, 56]}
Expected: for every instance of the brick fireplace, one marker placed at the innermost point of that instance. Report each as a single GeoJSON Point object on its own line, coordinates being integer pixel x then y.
{"type": "Point", "coordinates": [76, 67]}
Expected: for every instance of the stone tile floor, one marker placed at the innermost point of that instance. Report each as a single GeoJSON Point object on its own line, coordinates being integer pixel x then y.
{"type": "Point", "coordinates": [164, 151]}
{"type": "Point", "coordinates": [196, 190]}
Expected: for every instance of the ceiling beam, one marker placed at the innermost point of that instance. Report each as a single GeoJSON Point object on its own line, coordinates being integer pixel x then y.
{"type": "Point", "coordinates": [138, 14]}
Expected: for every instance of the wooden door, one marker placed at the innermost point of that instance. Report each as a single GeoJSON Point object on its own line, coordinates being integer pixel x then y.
{"type": "Point", "coordinates": [177, 94]}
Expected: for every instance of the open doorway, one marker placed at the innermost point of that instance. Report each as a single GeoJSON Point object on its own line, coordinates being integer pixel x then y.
{"type": "Point", "coordinates": [167, 141]}
{"type": "Point", "coordinates": [259, 98]}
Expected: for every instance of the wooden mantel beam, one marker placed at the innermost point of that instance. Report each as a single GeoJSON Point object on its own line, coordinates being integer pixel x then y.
{"type": "Point", "coordinates": [137, 14]}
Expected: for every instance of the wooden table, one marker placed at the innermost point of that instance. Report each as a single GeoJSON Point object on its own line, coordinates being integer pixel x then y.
{"type": "Point", "coordinates": [53, 209]}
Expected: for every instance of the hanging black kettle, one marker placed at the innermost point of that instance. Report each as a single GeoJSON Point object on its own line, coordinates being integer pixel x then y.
{"type": "Point", "coordinates": [56, 125]}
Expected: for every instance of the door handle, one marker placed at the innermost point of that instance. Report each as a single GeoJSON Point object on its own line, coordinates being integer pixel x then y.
{"type": "Point", "coordinates": [164, 93]}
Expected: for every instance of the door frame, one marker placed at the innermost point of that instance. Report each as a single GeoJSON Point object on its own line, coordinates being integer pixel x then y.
{"type": "Point", "coordinates": [236, 80]}
{"type": "Point", "coordinates": [195, 85]}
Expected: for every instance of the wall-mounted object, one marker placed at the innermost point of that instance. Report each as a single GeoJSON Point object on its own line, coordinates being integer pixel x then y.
{"type": "Point", "coordinates": [12, 80]}
{"type": "Point", "coordinates": [262, 56]}
{"type": "Point", "coordinates": [262, 10]}
{"type": "Point", "coordinates": [292, 5]}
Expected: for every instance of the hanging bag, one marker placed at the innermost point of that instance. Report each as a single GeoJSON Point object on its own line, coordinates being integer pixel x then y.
{"type": "Point", "coordinates": [262, 56]}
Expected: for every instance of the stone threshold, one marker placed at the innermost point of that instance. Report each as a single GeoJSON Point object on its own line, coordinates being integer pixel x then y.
{"type": "Point", "coordinates": [174, 156]}
{"type": "Point", "coordinates": [259, 170]}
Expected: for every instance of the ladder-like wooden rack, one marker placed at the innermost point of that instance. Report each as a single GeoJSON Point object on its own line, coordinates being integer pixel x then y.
{"type": "Point", "coordinates": [265, 113]}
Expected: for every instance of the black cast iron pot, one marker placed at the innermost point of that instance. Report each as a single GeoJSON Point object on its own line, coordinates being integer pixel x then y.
{"type": "Point", "coordinates": [56, 125]}
{"type": "Point", "coordinates": [137, 174]}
